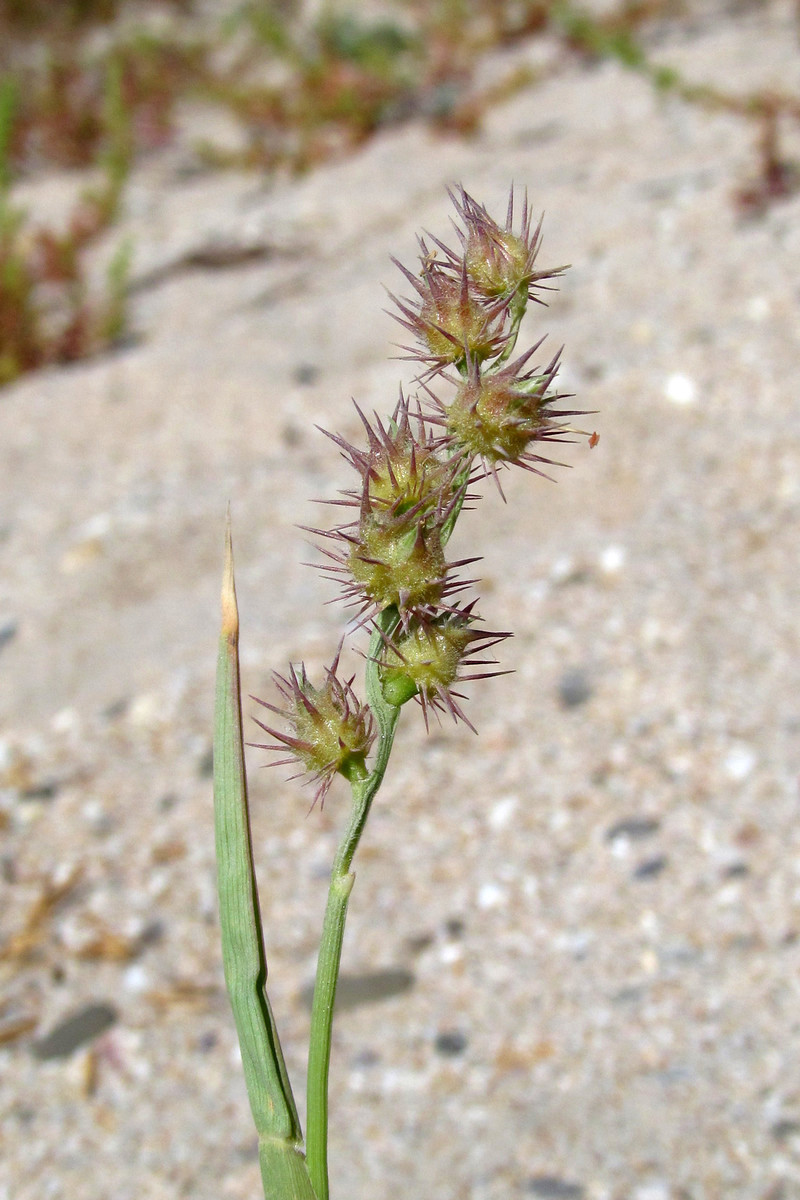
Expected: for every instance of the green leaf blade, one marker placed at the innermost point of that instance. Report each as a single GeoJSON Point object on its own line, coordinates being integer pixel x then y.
{"type": "Point", "coordinates": [274, 1111]}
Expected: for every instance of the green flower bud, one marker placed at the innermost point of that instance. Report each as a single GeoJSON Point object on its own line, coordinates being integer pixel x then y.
{"type": "Point", "coordinates": [426, 659]}
{"type": "Point", "coordinates": [401, 563]}
{"type": "Point", "coordinates": [331, 731]}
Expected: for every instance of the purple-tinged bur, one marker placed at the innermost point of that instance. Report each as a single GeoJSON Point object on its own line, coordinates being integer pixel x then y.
{"type": "Point", "coordinates": [498, 261]}
{"type": "Point", "coordinates": [401, 469]}
{"type": "Point", "coordinates": [332, 732]}
{"type": "Point", "coordinates": [449, 319]}
{"type": "Point", "coordinates": [393, 554]}
{"type": "Point", "coordinates": [425, 660]}
{"type": "Point", "coordinates": [497, 417]}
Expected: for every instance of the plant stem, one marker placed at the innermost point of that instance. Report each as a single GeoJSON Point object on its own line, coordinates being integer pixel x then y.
{"type": "Point", "coordinates": [364, 786]}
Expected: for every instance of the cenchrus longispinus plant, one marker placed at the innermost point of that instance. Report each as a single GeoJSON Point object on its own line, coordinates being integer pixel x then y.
{"type": "Point", "coordinates": [478, 411]}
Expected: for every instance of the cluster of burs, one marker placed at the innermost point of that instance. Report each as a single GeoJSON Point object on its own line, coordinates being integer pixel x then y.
{"type": "Point", "coordinates": [478, 410]}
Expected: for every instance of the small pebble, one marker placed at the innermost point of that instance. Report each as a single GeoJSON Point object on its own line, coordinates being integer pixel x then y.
{"type": "Point", "coordinates": [46, 790]}
{"type": "Point", "coordinates": [136, 979]}
{"type": "Point", "coordinates": [758, 308]}
{"type": "Point", "coordinates": [680, 389]}
{"type": "Point", "coordinates": [353, 991]}
{"type": "Point", "coordinates": [633, 828]}
{"type": "Point", "coordinates": [502, 811]}
{"type": "Point", "coordinates": [491, 895]}
{"type": "Point", "coordinates": [784, 1129]}
{"type": "Point", "coordinates": [205, 765]}
{"type": "Point", "coordinates": [75, 1031]}
{"type": "Point", "coordinates": [450, 1043]}
{"type": "Point", "coordinates": [8, 631]}
{"type": "Point", "coordinates": [657, 1190]}
{"type": "Point", "coordinates": [305, 374]}
{"type": "Point", "coordinates": [574, 688]}
{"type": "Point", "coordinates": [739, 762]}
{"type": "Point", "coordinates": [417, 942]}
{"type": "Point", "coordinates": [650, 868]}
{"type": "Point", "coordinates": [612, 559]}
{"type": "Point", "coordinates": [551, 1187]}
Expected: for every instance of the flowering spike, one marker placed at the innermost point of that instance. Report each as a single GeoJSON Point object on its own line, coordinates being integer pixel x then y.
{"type": "Point", "coordinates": [497, 416]}
{"type": "Point", "coordinates": [499, 261]}
{"type": "Point", "coordinates": [331, 732]}
{"type": "Point", "coordinates": [427, 658]}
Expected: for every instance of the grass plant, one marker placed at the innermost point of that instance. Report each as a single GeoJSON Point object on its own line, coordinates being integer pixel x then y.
{"type": "Point", "coordinates": [48, 313]}
{"type": "Point", "coordinates": [481, 408]}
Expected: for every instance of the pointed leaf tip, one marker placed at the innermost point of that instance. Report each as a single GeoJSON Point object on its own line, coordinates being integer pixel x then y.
{"type": "Point", "coordinates": [230, 609]}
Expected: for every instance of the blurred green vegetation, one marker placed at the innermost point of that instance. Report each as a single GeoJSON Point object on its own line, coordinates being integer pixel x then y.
{"type": "Point", "coordinates": [96, 83]}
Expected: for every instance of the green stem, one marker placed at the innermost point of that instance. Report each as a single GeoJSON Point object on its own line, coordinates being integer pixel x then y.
{"type": "Point", "coordinates": [519, 304]}
{"type": "Point", "coordinates": [365, 786]}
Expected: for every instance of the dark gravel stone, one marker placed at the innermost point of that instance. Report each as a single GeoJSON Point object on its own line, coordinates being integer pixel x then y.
{"type": "Point", "coordinates": [650, 867]}
{"type": "Point", "coordinates": [7, 633]}
{"type": "Point", "coordinates": [784, 1129]}
{"type": "Point", "coordinates": [574, 688]}
{"type": "Point", "coordinates": [46, 790]}
{"type": "Point", "coordinates": [418, 942]}
{"type": "Point", "coordinates": [634, 828]}
{"type": "Point", "coordinates": [354, 990]}
{"type": "Point", "coordinates": [205, 764]}
{"type": "Point", "coordinates": [550, 1187]}
{"type": "Point", "coordinates": [736, 870]}
{"type": "Point", "coordinates": [75, 1031]}
{"type": "Point", "coordinates": [450, 1043]}
{"type": "Point", "coordinates": [305, 374]}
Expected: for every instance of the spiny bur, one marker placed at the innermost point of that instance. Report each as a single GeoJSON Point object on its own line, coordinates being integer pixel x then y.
{"type": "Point", "coordinates": [478, 412]}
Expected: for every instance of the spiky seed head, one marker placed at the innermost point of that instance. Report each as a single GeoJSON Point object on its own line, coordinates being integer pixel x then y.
{"type": "Point", "coordinates": [401, 469]}
{"type": "Point", "coordinates": [449, 319]}
{"type": "Point", "coordinates": [407, 475]}
{"type": "Point", "coordinates": [330, 730]}
{"type": "Point", "coordinates": [495, 417]}
{"type": "Point", "coordinates": [401, 563]}
{"type": "Point", "coordinates": [454, 321]}
{"type": "Point", "coordinates": [426, 659]}
{"type": "Point", "coordinates": [498, 261]}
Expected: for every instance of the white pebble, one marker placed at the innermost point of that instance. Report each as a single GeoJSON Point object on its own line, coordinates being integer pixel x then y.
{"type": "Point", "coordinates": [502, 812]}
{"type": "Point", "coordinates": [96, 527]}
{"type": "Point", "coordinates": [758, 308]}
{"type": "Point", "coordinates": [739, 762]}
{"type": "Point", "coordinates": [146, 710]}
{"type": "Point", "coordinates": [562, 568]}
{"type": "Point", "coordinates": [612, 559]}
{"type": "Point", "coordinates": [65, 721]}
{"type": "Point", "coordinates": [491, 895]}
{"type": "Point", "coordinates": [136, 979]}
{"type": "Point", "coordinates": [657, 1190]}
{"type": "Point", "coordinates": [680, 389]}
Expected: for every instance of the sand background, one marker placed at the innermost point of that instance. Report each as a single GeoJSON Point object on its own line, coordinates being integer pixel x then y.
{"type": "Point", "coordinates": [590, 914]}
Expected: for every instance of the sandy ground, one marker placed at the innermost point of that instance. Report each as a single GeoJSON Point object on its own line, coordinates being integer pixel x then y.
{"type": "Point", "coordinates": [588, 918]}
